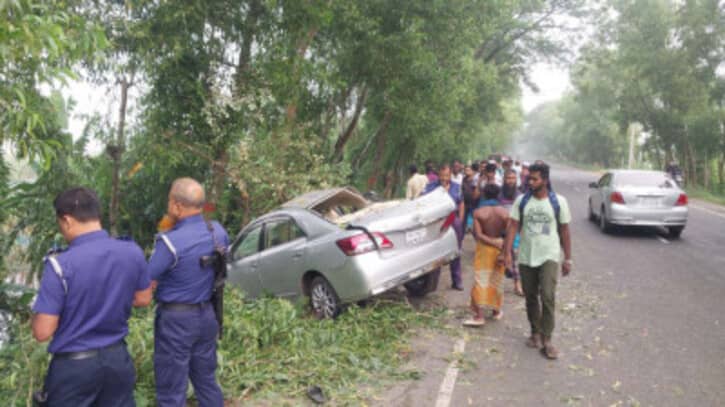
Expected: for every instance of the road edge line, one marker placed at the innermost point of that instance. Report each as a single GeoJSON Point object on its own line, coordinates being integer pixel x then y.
{"type": "Point", "coordinates": [449, 380]}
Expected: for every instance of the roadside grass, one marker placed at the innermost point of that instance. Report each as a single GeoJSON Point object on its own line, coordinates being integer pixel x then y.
{"type": "Point", "coordinates": [705, 195]}
{"type": "Point", "coordinates": [271, 352]}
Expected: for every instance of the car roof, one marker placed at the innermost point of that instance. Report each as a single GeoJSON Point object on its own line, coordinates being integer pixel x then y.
{"type": "Point", "coordinates": [625, 172]}
{"type": "Point", "coordinates": [311, 199]}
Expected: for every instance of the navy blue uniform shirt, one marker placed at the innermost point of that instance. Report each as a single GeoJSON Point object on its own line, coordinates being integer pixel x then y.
{"type": "Point", "coordinates": [177, 269]}
{"type": "Point", "coordinates": [102, 274]}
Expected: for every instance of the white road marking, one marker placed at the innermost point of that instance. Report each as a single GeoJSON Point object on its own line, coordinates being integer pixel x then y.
{"type": "Point", "coordinates": [449, 381]}
{"type": "Point", "coordinates": [710, 211]}
{"type": "Point", "coordinates": [662, 239]}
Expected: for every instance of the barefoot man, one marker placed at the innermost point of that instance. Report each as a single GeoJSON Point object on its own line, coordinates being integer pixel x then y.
{"type": "Point", "coordinates": [489, 226]}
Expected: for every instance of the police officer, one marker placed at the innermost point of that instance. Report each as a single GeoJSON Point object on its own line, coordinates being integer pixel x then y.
{"type": "Point", "coordinates": [84, 303]}
{"type": "Point", "coordinates": [186, 328]}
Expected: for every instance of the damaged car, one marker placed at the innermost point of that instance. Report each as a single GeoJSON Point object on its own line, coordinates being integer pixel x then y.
{"type": "Point", "coordinates": [336, 248]}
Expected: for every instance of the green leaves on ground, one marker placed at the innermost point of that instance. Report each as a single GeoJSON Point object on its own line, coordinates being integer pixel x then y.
{"type": "Point", "coordinates": [272, 349]}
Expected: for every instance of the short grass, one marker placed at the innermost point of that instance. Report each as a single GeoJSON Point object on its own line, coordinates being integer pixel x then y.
{"type": "Point", "coordinates": [705, 195]}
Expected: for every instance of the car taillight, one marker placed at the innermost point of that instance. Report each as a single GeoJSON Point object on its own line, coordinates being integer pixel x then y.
{"type": "Point", "coordinates": [448, 222]}
{"type": "Point", "coordinates": [359, 244]}
{"type": "Point", "coordinates": [616, 197]}
{"type": "Point", "coordinates": [681, 200]}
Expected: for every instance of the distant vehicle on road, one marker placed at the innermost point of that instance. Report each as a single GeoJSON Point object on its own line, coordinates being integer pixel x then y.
{"type": "Point", "coordinates": [336, 247]}
{"type": "Point", "coordinates": [638, 198]}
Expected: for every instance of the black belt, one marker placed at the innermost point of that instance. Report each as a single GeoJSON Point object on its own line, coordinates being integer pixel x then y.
{"type": "Point", "coordinates": [86, 354]}
{"type": "Point", "coordinates": [175, 306]}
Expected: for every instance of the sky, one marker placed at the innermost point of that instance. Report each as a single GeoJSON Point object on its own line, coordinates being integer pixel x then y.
{"type": "Point", "coordinates": [552, 81]}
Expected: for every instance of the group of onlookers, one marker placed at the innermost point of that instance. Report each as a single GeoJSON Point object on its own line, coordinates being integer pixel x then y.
{"type": "Point", "coordinates": [521, 229]}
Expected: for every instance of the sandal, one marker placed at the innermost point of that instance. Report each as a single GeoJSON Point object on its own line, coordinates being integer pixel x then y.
{"type": "Point", "coordinates": [497, 315]}
{"type": "Point", "coordinates": [534, 342]}
{"type": "Point", "coordinates": [550, 352]}
{"type": "Point", "coordinates": [474, 322]}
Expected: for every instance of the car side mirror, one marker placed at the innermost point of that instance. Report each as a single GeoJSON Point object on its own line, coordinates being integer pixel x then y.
{"type": "Point", "coordinates": [593, 185]}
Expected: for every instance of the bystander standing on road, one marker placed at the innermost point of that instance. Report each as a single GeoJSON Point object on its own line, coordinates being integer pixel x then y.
{"type": "Point", "coordinates": [508, 196]}
{"type": "Point", "coordinates": [489, 226]}
{"type": "Point", "coordinates": [542, 218]}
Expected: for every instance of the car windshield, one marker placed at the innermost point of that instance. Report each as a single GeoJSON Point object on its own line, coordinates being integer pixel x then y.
{"type": "Point", "coordinates": [643, 179]}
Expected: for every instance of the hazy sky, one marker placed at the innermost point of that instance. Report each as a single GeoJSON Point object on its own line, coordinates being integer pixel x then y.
{"type": "Point", "coordinates": [552, 82]}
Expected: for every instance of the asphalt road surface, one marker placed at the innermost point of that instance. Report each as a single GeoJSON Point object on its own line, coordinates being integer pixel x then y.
{"type": "Point", "coordinates": [640, 321]}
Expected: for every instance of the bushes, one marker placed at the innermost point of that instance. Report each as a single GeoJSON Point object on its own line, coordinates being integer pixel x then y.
{"type": "Point", "coordinates": [271, 349]}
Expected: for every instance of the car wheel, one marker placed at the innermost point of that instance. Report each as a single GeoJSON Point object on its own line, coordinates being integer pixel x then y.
{"type": "Point", "coordinates": [423, 284]}
{"type": "Point", "coordinates": [592, 216]}
{"type": "Point", "coordinates": [675, 231]}
{"type": "Point", "coordinates": [604, 224]}
{"type": "Point", "coordinates": [323, 299]}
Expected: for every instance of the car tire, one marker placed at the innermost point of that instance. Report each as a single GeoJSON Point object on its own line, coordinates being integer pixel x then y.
{"type": "Point", "coordinates": [675, 231]}
{"type": "Point", "coordinates": [604, 224]}
{"type": "Point", "coordinates": [323, 299]}
{"type": "Point", "coordinates": [424, 284]}
{"type": "Point", "coordinates": [592, 216]}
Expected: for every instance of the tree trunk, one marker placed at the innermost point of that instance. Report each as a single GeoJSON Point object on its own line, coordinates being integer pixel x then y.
{"type": "Point", "coordinates": [379, 150]}
{"type": "Point", "coordinates": [345, 136]}
{"type": "Point", "coordinates": [116, 152]}
{"type": "Point", "coordinates": [721, 170]}
{"type": "Point", "coordinates": [218, 178]}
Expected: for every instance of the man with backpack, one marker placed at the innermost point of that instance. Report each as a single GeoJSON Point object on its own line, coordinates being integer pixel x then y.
{"type": "Point", "coordinates": [542, 218]}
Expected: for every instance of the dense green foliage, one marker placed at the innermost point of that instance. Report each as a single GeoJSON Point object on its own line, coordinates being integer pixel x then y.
{"type": "Point", "coordinates": [258, 99]}
{"type": "Point", "coordinates": [657, 63]}
{"type": "Point", "coordinates": [271, 349]}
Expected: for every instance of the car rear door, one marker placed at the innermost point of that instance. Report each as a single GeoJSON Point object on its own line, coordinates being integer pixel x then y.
{"type": "Point", "coordinates": [243, 262]}
{"type": "Point", "coordinates": [283, 257]}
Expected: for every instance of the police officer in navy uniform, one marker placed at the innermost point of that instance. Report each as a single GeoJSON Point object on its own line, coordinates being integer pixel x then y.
{"type": "Point", "coordinates": [84, 302]}
{"type": "Point", "coordinates": [186, 328]}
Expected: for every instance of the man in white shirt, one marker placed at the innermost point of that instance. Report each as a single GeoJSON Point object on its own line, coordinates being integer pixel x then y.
{"type": "Point", "coordinates": [416, 183]}
{"type": "Point", "coordinates": [457, 172]}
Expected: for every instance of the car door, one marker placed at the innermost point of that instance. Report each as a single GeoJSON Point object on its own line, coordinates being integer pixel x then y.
{"type": "Point", "coordinates": [283, 258]}
{"type": "Point", "coordinates": [598, 196]}
{"type": "Point", "coordinates": [605, 189]}
{"type": "Point", "coordinates": [243, 262]}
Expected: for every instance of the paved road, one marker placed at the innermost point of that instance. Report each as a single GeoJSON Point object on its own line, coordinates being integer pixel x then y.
{"type": "Point", "coordinates": [640, 322]}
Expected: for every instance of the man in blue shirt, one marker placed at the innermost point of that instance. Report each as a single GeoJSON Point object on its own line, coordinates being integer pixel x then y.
{"type": "Point", "coordinates": [454, 190]}
{"type": "Point", "coordinates": [84, 303]}
{"type": "Point", "coordinates": [186, 328]}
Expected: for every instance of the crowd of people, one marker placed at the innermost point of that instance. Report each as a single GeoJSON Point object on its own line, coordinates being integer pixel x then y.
{"type": "Point", "coordinates": [520, 226]}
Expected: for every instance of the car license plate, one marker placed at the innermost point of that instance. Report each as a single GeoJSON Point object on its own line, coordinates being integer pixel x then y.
{"type": "Point", "coordinates": [649, 202]}
{"type": "Point", "coordinates": [415, 236]}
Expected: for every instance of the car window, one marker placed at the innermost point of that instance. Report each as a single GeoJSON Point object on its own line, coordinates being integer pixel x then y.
{"type": "Point", "coordinates": [604, 181]}
{"type": "Point", "coordinates": [248, 245]}
{"type": "Point", "coordinates": [280, 232]}
{"type": "Point", "coordinates": [644, 179]}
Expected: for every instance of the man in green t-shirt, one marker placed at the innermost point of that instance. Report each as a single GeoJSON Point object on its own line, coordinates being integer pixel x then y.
{"type": "Point", "coordinates": [542, 238]}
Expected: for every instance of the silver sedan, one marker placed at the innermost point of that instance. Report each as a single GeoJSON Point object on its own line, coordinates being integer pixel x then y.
{"type": "Point", "coordinates": [336, 247]}
{"type": "Point", "coordinates": [638, 198]}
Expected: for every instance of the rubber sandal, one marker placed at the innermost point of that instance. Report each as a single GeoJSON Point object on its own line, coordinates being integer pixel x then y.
{"type": "Point", "coordinates": [497, 316]}
{"type": "Point", "coordinates": [534, 342]}
{"type": "Point", "coordinates": [473, 322]}
{"type": "Point", "coordinates": [550, 352]}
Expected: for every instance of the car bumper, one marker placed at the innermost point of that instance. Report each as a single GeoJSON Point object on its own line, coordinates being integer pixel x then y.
{"type": "Point", "coordinates": [626, 215]}
{"type": "Point", "coordinates": [372, 274]}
